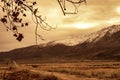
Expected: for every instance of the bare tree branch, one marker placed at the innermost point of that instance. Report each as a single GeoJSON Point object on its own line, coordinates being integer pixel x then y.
{"type": "Point", "coordinates": [14, 12]}
{"type": "Point", "coordinates": [76, 4]}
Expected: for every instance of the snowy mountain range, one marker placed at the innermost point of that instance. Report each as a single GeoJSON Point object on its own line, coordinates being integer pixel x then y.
{"type": "Point", "coordinates": [100, 45]}
{"type": "Point", "coordinates": [92, 37]}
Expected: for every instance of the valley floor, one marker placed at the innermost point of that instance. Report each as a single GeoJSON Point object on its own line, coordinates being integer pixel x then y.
{"type": "Point", "coordinates": [96, 70]}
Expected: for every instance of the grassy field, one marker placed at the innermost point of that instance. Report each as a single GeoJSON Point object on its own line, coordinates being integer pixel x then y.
{"type": "Point", "coordinates": [84, 70]}
{"type": "Point", "coordinates": [97, 70]}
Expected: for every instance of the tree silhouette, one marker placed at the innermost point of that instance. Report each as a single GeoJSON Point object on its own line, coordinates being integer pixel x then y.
{"type": "Point", "coordinates": [15, 11]}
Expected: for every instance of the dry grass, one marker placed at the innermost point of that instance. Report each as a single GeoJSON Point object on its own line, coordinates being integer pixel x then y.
{"type": "Point", "coordinates": [99, 70]}
{"type": "Point", "coordinates": [28, 75]}
{"type": "Point", "coordinates": [86, 70]}
{"type": "Point", "coordinates": [24, 74]}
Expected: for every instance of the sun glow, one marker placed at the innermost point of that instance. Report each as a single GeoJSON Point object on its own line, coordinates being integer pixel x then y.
{"type": "Point", "coordinates": [118, 10]}
{"type": "Point", "coordinates": [85, 25]}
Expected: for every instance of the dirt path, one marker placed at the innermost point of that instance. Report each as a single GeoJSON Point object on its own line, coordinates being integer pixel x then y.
{"type": "Point", "coordinates": [63, 76]}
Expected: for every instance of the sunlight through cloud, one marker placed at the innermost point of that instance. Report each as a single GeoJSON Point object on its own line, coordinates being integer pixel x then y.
{"type": "Point", "coordinates": [118, 10]}
{"type": "Point", "coordinates": [85, 25]}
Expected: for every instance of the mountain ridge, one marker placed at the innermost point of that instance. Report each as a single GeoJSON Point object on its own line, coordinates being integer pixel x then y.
{"type": "Point", "coordinates": [104, 46]}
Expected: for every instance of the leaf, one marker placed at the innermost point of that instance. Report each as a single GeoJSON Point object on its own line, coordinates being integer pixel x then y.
{"type": "Point", "coordinates": [22, 25]}
{"type": "Point", "coordinates": [15, 14]}
{"type": "Point", "coordinates": [24, 15]}
{"type": "Point", "coordinates": [16, 20]}
{"type": "Point", "coordinates": [34, 3]}
{"type": "Point", "coordinates": [5, 16]}
{"type": "Point", "coordinates": [8, 4]}
{"type": "Point", "coordinates": [20, 20]}
{"type": "Point", "coordinates": [15, 35]}
{"type": "Point", "coordinates": [35, 11]}
{"type": "Point", "coordinates": [3, 9]}
{"type": "Point", "coordinates": [20, 37]}
{"type": "Point", "coordinates": [16, 8]}
{"type": "Point", "coordinates": [26, 24]}
{"type": "Point", "coordinates": [14, 28]}
{"type": "Point", "coordinates": [19, 2]}
{"type": "Point", "coordinates": [31, 6]}
{"type": "Point", "coordinates": [4, 20]}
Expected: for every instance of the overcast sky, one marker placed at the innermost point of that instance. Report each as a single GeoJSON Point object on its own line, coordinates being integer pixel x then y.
{"type": "Point", "coordinates": [96, 14]}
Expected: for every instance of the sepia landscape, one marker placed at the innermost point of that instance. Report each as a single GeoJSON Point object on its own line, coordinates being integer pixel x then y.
{"type": "Point", "coordinates": [85, 44]}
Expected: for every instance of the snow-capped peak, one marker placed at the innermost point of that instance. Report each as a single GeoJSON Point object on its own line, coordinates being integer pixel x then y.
{"type": "Point", "coordinates": [92, 37]}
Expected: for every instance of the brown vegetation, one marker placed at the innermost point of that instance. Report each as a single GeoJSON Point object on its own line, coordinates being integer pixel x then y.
{"type": "Point", "coordinates": [90, 70]}
{"type": "Point", "coordinates": [26, 75]}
